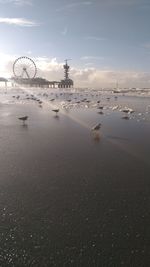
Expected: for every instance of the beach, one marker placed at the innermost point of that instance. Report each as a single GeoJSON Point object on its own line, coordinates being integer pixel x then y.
{"type": "Point", "coordinates": [70, 196]}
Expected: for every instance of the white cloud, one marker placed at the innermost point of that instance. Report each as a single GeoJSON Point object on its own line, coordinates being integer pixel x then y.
{"type": "Point", "coordinates": [17, 2]}
{"type": "Point", "coordinates": [6, 63]}
{"type": "Point", "coordinates": [19, 22]}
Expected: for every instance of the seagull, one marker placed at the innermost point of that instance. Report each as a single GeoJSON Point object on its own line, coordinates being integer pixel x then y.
{"type": "Point", "coordinates": [101, 107]}
{"type": "Point", "coordinates": [127, 110]}
{"type": "Point", "coordinates": [56, 110]}
{"type": "Point", "coordinates": [96, 127]}
{"type": "Point", "coordinates": [23, 119]}
{"type": "Point", "coordinates": [100, 112]}
{"type": "Point", "coordinates": [125, 117]}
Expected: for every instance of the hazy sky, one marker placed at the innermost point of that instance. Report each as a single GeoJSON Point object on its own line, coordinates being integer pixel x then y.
{"type": "Point", "coordinates": [107, 40]}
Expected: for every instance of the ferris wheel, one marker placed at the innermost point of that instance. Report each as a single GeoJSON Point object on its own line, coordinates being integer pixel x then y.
{"type": "Point", "coordinates": [25, 68]}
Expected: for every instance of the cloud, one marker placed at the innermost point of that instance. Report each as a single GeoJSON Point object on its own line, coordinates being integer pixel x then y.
{"type": "Point", "coordinates": [92, 77]}
{"type": "Point", "coordinates": [17, 2]}
{"type": "Point", "coordinates": [19, 22]}
{"type": "Point", "coordinates": [6, 63]}
{"type": "Point", "coordinates": [51, 69]}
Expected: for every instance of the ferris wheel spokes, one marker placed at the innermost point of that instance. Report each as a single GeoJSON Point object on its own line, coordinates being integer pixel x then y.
{"type": "Point", "coordinates": [24, 67]}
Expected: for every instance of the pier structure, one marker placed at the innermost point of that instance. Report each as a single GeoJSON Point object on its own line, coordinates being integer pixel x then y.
{"type": "Point", "coordinates": [36, 82]}
{"type": "Point", "coordinates": [24, 70]}
{"type": "Point", "coordinates": [4, 80]}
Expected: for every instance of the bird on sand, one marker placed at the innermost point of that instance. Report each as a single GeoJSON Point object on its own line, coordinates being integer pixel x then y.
{"type": "Point", "coordinates": [96, 127]}
{"type": "Point", "coordinates": [56, 110]}
{"type": "Point", "coordinates": [23, 119]}
{"type": "Point", "coordinates": [101, 107]}
{"type": "Point", "coordinates": [125, 118]}
{"type": "Point", "coordinates": [100, 112]}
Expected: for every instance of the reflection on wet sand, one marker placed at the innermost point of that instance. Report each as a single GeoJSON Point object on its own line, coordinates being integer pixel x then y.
{"type": "Point", "coordinates": [96, 137]}
{"type": "Point", "coordinates": [56, 117]}
{"type": "Point", "coordinates": [73, 196]}
{"type": "Point", "coordinates": [24, 126]}
{"type": "Point", "coordinates": [118, 137]}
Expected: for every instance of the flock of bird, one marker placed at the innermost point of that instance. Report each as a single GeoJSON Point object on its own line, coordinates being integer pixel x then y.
{"type": "Point", "coordinates": [94, 128]}
{"type": "Point", "coordinates": [56, 110]}
{"type": "Point", "coordinates": [74, 99]}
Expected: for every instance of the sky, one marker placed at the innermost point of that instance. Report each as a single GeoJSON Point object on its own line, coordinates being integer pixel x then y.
{"type": "Point", "coordinates": [107, 41]}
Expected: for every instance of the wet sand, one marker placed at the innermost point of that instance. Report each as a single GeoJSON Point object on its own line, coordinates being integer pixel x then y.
{"type": "Point", "coordinates": [70, 197]}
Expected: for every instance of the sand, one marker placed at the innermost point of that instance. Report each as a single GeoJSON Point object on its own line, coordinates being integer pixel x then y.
{"type": "Point", "coordinates": [68, 196]}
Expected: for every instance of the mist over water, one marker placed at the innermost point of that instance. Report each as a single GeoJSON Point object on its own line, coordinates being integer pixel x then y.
{"type": "Point", "coordinates": [70, 196]}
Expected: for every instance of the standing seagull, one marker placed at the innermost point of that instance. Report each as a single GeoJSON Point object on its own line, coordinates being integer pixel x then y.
{"type": "Point", "coordinates": [125, 118]}
{"type": "Point", "coordinates": [56, 110]}
{"type": "Point", "coordinates": [23, 119]}
{"type": "Point", "coordinates": [96, 127]}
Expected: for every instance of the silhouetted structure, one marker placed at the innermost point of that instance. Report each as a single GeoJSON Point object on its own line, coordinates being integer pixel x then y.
{"type": "Point", "coordinates": [37, 81]}
{"type": "Point", "coordinates": [66, 83]}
